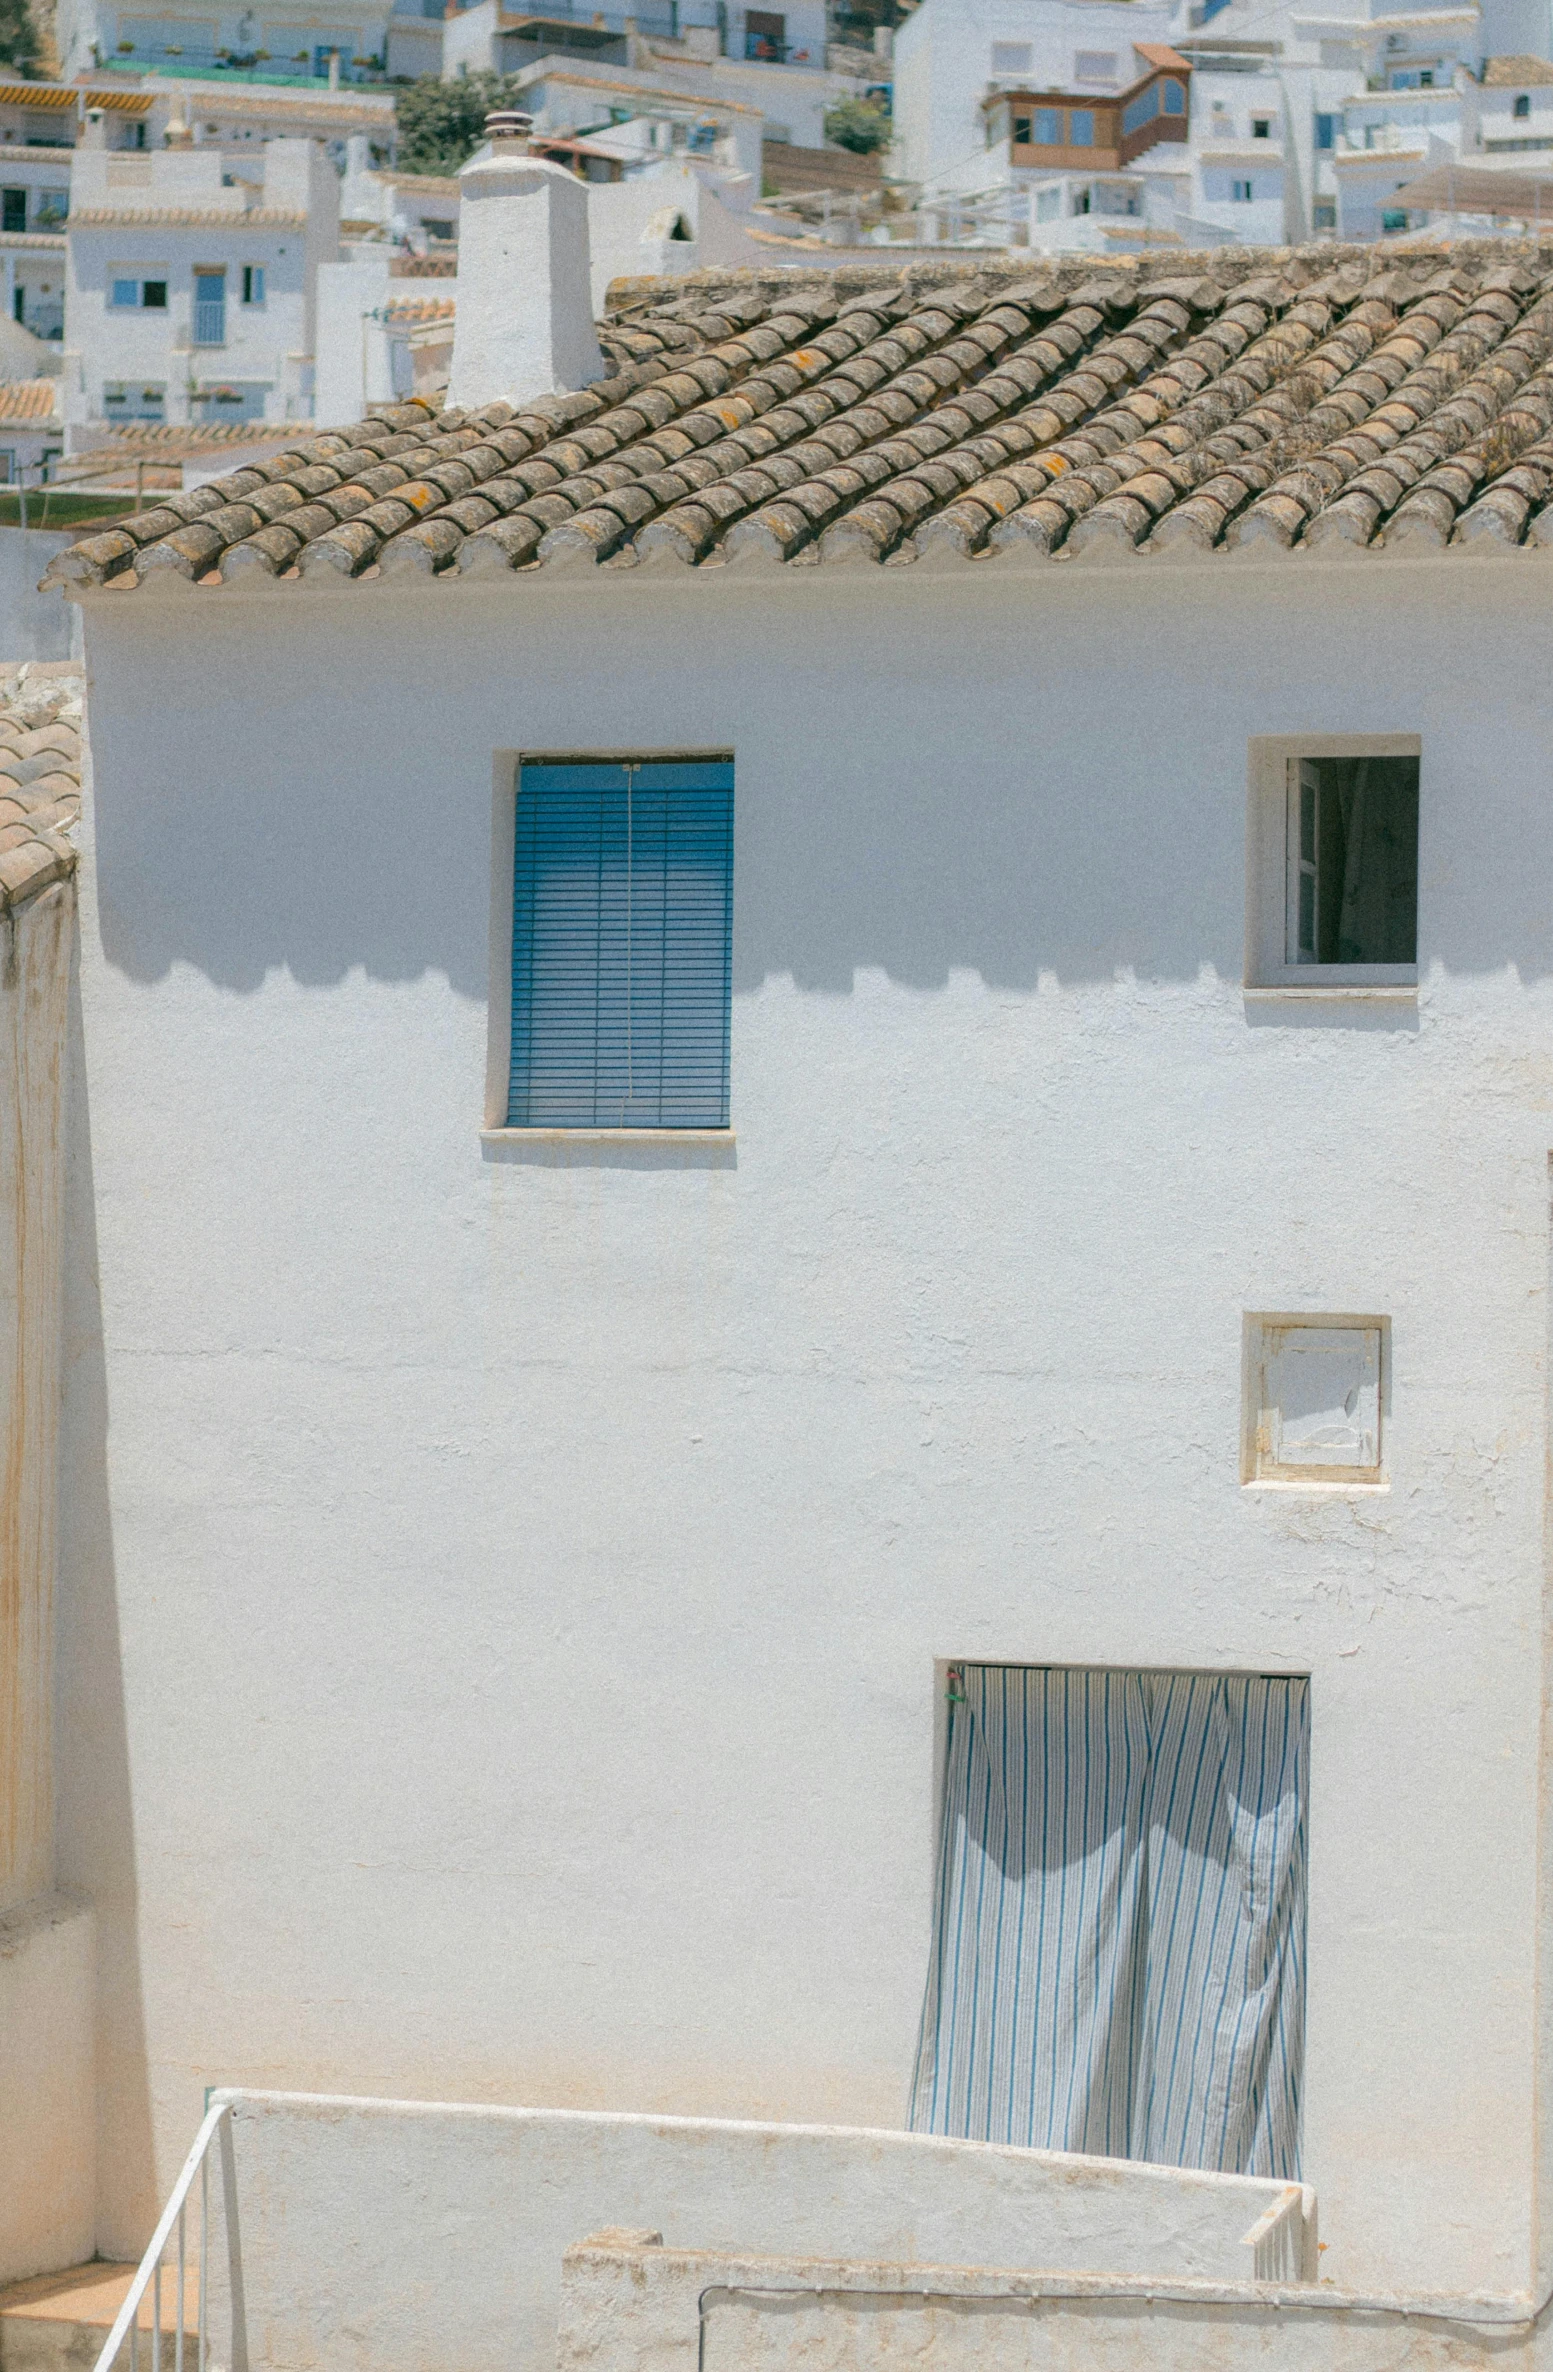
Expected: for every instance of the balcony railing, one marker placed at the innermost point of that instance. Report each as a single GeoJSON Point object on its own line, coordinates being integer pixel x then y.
{"type": "Point", "coordinates": [222, 65]}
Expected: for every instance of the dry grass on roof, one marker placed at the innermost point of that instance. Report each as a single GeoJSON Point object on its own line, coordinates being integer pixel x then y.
{"type": "Point", "coordinates": [1278, 402]}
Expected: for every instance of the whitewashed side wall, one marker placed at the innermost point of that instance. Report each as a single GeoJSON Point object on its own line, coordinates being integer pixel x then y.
{"type": "Point", "coordinates": [509, 1588]}
{"type": "Point", "coordinates": [431, 2238]}
{"type": "Point", "coordinates": [47, 2006]}
{"type": "Point", "coordinates": [48, 2148]}
{"type": "Point", "coordinates": [36, 940]}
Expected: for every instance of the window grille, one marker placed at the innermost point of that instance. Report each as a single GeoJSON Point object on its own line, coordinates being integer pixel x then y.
{"type": "Point", "coordinates": [622, 945]}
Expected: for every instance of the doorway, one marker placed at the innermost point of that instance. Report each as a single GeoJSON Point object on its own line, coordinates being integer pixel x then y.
{"type": "Point", "coordinates": [1118, 1958]}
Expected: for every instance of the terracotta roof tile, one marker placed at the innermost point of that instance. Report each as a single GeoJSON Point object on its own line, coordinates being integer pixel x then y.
{"type": "Point", "coordinates": [23, 400]}
{"type": "Point", "coordinates": [1504, 73]}
{"type": "Point", "coordinates": [40, 777]}
{"type": "Point", "coordinates": [1276, 400]}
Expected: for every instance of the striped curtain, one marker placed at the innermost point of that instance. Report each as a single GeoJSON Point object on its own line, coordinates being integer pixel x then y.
{"type": "Point", "coordinates": [1119, 1936]}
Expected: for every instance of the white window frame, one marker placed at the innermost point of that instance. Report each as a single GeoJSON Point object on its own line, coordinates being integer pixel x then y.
{"type": "Point", "coordinates": [1258, 1468]}
{"type": "Point", "coordinates": [1272, 857]}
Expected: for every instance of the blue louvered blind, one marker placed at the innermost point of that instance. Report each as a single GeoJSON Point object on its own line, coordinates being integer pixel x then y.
{"type": "Point", "coordinates": [622, 928]}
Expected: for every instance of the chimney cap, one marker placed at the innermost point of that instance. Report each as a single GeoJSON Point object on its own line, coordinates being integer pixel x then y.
{"type": "Point", "coordinates": [508, 124]}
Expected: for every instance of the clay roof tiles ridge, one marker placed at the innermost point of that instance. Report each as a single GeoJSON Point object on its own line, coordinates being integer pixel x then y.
{"type": "Point", "coordinates": [40, 778]}
{"type": "Point", "coordinates": [1320, 399]}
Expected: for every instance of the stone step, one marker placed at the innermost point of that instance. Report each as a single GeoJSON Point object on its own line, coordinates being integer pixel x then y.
{"type": "Point", "coordinates": [57, 2322]}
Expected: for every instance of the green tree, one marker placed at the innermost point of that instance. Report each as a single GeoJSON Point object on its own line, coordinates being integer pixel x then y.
{"type": "Point", "coordinates": [859, 124]}
{"type": "Point", "coordinates": [18, 37]}
{"type": "Point", "coordinates": [441, 124]}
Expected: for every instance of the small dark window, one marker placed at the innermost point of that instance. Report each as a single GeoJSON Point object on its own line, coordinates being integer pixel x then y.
{"type": "Point", "coordinates": [1353, 861]}
{"type": "Point", "coordinates": [1021, 131]}
{"type": "Point", "coordinates": [1523, 106]}
{"type": "Point", "coordinates": [1426, 79]}
{"type": "Point", "coordinates": [1326, 131]}
{"type": "Point", "coordinates": [153, 296]}
{"type": "Point", "coordinates": [14, 217]}
{"type": "Point", "coordinates": [1261, 127]}
{"type": "Point", "coordinates": [1393, 218]}
{"type": "Point", "coordinates": [439, 230]}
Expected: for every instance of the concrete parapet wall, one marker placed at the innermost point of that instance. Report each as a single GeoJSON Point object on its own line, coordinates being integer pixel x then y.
{"type": "Point", "coordinates": [428, 2237]}
{"type": "Point", "coordinates": [630, 2306]}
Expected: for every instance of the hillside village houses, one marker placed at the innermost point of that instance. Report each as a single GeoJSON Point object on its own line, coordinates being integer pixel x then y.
{"type": "Point", "coordinates": [802, 1481]}
{"type": "Point", "coordinates": [1289, 126]}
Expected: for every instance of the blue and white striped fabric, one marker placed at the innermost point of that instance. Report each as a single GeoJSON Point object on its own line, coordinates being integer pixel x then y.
{"type": "Point", "coordinates": [1119, 1938]}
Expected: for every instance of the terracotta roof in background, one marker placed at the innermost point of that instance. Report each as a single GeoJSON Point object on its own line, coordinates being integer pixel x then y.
{"type": "Point", "coordinates": [1159, 53]}
{"type": "Point", "coordinates": [172, 439]}
{"type": "Point", "coordinates": [27, 400]}
{"type": "Point", "coordinates": [236, 218]}
{"type": "Point", "coordinates": [430, 185]}
{"type": "Point", "coordinates": [40, 776]}
{"type": "Point", "coordinates": [421, 309]}
{"type": "Point", "coordinates": [1330, 398]}
{"type": "Point", "coordinates": [364, 114]}
{"type": "Point", "coordinates": [1503, 73]}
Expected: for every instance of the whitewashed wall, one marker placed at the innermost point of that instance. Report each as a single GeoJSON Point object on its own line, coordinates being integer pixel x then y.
{"type": "Point", "coordinates": [507, 1593]}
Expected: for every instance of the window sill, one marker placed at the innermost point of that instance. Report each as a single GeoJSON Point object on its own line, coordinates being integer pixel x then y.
{"type": "Point", "coordinates": [612, 1148]}
{"type": "Point", "coordinates": [606, 1136]}
{"type": "Point", "coordinates": [1292, 992]}
{"type": "Point", "coordinates": [1315, 1487]}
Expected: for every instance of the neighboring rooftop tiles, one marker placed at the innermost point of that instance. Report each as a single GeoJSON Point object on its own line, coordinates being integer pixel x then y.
{"type": "Point", "coordinates": [1276, 401]}
{"type": "Point", "coordinates": [40, 777]}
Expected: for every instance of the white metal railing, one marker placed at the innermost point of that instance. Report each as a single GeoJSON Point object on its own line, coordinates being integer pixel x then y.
{"type": "Point", "coordinates": [1280, 2239]}
{"type": "Point", "coordinates": [123, 2342]}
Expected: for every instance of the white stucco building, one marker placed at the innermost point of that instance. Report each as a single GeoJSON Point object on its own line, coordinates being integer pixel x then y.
{"type": "Point", "coordinates": [698, 1367]}
{"type": "Point", "coordinates": [192, 281]}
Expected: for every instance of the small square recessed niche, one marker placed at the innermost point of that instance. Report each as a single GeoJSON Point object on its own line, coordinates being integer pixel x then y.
{"type": "Point", "coordinates": [1314, 1398]}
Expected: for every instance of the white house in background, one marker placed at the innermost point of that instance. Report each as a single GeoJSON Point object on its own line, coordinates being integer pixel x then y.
{"type": "Point", "coordinates": [239, 114]}
{"type": "Point", "coordinates": [641, 118]}
{"type": "Point", "coordinates": [191, 277]}
{"type": "Point", "coordinates": [951, 54]}
{"type": "Point", "coordinates": [417, 212]}
{"type": "Point", "coordinates": [415, 38]}
{"type": "Point", "coordinates": [1513, 109]}
{"type": "Point", "coordinates": [39, 125]}
{"type": "Point", "coordinates": [706, 1357]}
{"type": "Point", "coordinates": [31, 429]}
{"type": "Point", "coordinates": [792, 93]}
{"type": "Point", "coordinates": [292, 38]}
{"type": "Point", "coordinates": [385, 330]}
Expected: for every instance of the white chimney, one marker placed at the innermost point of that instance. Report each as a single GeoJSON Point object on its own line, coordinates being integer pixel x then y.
{"type": "Point", "coordinates": [524, 325]}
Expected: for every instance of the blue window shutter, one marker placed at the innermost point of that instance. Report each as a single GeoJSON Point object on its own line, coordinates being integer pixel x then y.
{"type": "Point", "coordinates": [622, 940]}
